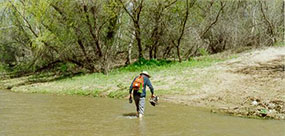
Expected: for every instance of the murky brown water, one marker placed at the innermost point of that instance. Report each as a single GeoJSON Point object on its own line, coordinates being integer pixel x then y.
{"type": "Point", "coordinates": [38, 114]}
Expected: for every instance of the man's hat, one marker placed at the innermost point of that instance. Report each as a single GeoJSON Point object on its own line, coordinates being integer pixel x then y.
{"type": "Point", "coordinates": [145, 73]}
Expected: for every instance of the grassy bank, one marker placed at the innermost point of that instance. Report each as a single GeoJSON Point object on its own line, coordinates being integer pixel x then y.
{"type": "Point", "coordinates": [168, 77]}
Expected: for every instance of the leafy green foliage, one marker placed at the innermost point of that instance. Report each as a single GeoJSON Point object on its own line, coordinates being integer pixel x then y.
{"type": "Point", "coordinates": [280, 44]}
{"type": "Point", "coordinates": [2, 69]}
{"type": "Point", "coordinates": [143, 64]}
{"type": "Point", "coordinates": [203, 52]}
{"type": "Point", "coordinates": [96, 36]}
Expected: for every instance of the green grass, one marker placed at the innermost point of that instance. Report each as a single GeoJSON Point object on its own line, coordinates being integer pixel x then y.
{"type": "Point", "coordinates": [2, 69]}
{"type": "Point", "coordinates": [280, 44]}
{"type": "Point", "coordinates": [168, 77]}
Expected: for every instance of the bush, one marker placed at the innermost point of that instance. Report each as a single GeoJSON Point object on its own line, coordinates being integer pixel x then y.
{"type": "Point", "coordinates": [279, 44]}
{"type": "Point", "coordinates": [1, 68]}
{"type": "Point", "coordinates": [144, 64]}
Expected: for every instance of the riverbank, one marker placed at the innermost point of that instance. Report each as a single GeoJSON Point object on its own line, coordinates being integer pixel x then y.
{"type": "Point", "coordinates": [251, 85]}
{"type": "Point", "coordinates": [247, 84]}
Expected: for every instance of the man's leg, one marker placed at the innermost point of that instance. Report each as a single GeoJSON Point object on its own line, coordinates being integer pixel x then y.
{"type": "Point", "coordinates": [137, 100]}
{"type": "Point", "coordinates": [141, 106]}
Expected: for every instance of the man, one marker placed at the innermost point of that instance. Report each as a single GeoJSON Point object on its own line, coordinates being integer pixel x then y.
{"type": "Point", "coordinates": [139, 86]}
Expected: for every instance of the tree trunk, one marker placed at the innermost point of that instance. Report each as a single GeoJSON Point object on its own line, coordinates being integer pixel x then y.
{"type": "Point", "coordinates": [150, 53]}
{"type": "Point", "coordinates": [155, 52]}
{"type": "Point", "coordinates": [135, 16]}
{"type": "Point", "coordinates": [129, 57]}
{"type": "Point", "coordinates": [182, 30]}
{"type": "Point", "coordinates": [270, 25]}
{"type": "Point", "coordinates": [94, 34]}
{"type": "Point", "coordinates": [167, 51]}
{"type": "Point", "coordinates": [178, 53]}
{"type": "Point", "coordinates": [138, 38]}
{"type": "Point", "coordinates": [283, 23]}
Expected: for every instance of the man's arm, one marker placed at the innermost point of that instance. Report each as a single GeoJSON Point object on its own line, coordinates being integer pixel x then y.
{"type": "Point", "coordinates": [131, 87]}
{"type": "Point", "coordinates": [148, 83]}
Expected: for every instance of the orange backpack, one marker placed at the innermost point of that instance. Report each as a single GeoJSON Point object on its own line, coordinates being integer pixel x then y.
{"type": "Point", "coordinates": [138, 83]}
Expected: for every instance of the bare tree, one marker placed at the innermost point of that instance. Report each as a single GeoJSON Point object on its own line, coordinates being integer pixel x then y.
{"type": "Point", "coordinates": [135, 16]}
{"type": "Point", "coordinates": [268, 22]}
{"type": "Point", "coordinates": [177, 42]}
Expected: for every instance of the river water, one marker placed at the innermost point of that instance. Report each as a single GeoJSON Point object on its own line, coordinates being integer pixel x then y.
{"type": "Point", "coordinates": [44, 115]}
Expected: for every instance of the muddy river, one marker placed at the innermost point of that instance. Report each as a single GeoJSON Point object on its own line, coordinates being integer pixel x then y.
{"type": "Point", "coordinates": [41, 114]}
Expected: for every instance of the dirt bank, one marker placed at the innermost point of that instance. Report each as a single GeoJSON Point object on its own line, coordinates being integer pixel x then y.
{"type": "Point", "coordinates": [252, 85]}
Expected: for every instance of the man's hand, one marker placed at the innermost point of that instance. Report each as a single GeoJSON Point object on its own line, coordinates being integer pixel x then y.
{"type": "Point", "coordinates": [152, 95]}
{"type": "Point", "coordinates": [130, 98]}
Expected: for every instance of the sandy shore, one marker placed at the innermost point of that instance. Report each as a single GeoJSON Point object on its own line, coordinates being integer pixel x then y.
{"type": "Point", "coordinates": [251, 85]}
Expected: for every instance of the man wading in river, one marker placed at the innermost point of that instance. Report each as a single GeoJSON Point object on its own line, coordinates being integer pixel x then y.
{"type": "Point", "coordinates": [139, 86]}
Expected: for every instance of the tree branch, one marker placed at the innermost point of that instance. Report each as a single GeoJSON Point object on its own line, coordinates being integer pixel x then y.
{"type": "Point", "coordinates": [125, 8]}
{"type": "Point", "coordinates": [94, 36]}
{"type": "Point", "coordinates": [266, 19]}
{"type": "Point", "coordinates": [170, 4]}
{"type": "Point", "coordinates": [28, 23]}
{"type": "Point", "coordinates": [215, 21]}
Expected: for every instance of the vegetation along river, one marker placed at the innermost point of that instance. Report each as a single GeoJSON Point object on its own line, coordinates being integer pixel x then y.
{"type": "Point", "coordinates": [41, 114]}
